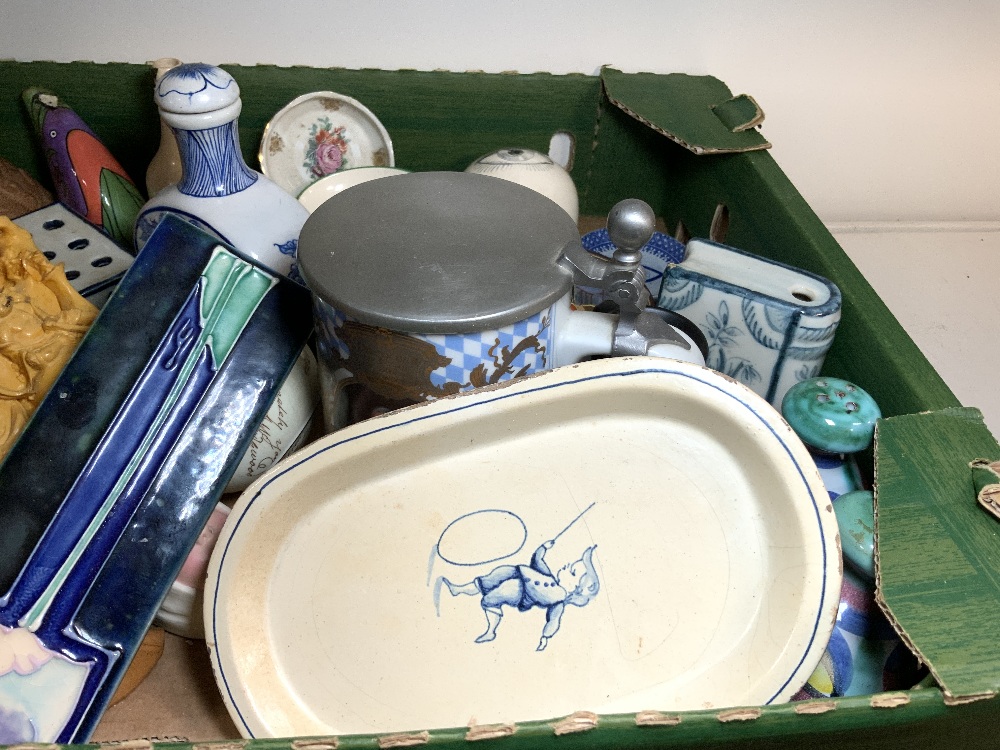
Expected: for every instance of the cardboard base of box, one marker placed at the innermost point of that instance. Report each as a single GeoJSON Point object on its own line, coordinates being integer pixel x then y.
{"type": "Point", "coordinates": [179, 700]}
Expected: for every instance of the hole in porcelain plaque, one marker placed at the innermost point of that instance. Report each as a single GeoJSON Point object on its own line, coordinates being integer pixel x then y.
{"type": "Point", "coordinates": [805, 295]}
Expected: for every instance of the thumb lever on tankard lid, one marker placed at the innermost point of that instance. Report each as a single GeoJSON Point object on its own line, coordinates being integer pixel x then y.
{"type": "Point", "coordinates": [631, 223]}
{"type": "Point", "coordinates": [630, 226]}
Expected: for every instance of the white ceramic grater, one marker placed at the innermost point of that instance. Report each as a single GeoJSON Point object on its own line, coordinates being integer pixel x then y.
{"type": "Point", "coordinates": [94, 263]}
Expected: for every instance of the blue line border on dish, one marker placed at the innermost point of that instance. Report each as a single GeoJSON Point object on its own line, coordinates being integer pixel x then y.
{"type": "Point", "coordinates": [502, 396]}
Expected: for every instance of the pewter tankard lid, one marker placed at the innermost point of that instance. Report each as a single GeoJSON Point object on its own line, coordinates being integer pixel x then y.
{"type": "Point", "coordinates": [437, 252]}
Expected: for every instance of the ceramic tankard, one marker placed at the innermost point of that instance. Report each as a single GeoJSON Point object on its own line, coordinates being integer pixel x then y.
{"type": "Point", "coordinates": [436, 282]}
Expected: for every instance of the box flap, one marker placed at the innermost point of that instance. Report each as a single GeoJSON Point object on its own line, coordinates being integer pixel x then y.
{"type": "Point", "coordinates": [698, 112]}
{"type": "Point", "coordinates": [937, 550]}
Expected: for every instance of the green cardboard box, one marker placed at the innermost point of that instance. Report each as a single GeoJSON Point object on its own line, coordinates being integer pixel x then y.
{"type": "Point", "coordinates": [692, 150]}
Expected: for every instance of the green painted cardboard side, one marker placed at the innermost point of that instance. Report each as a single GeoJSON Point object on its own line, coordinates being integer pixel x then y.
{"type": "Point", "coordinates": [871, 348]}
{"type": "Point", "coordinates": [938, 550]}
{"type": "Point", "coordinates": [922, 721]}
{"type": "Point", "coordinates": [698, 112]}
{"type": "Point", "coordinates": [437, 120]}
{"type": "Point", "coordinates": [442, 120]}
{"type": "Point", "coordinates": [769, 217]}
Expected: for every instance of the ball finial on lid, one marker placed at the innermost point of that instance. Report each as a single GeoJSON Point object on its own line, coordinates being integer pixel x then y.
{"type": "Point", "coordinates": [631, 223]}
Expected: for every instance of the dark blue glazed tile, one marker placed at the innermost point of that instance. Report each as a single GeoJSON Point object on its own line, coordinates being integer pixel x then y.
{"type": "Point", "coordinates": [109, 486]}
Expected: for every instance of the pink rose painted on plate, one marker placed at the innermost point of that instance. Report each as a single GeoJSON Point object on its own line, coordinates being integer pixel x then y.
{"type": "Point", "coordinates": [326, 150]}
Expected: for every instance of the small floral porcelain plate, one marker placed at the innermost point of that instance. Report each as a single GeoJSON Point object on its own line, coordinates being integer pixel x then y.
{"type": "Point", "coordinates": [617, 536]}
{"type": "Point", "coordinates": [318, 134]}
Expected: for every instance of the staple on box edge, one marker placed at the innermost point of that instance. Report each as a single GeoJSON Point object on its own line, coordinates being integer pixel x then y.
{"type": "Point", "coordinates": [739, 714]}
{"type": "Point", "coordinates": [404, 740]}
{"type": "Point", "coordinates": [811, 708]}
{"type": "Point", "coordinates": [961, 700]}
{"type": "Point", "coordinates": [581, 721]}
{"type": "Point", "coordinates": [889, 700]}
{"type": "Point", "coordinates": [316, 743]}
{"type": "Point", "coordinates": [657, 719]}
{"type": "Point", "coordinates": [478, 732]}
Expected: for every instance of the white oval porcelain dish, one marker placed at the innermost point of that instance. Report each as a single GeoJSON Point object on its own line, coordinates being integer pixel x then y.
{"type": "Point", "coordinates": [621, 535]}
{"type": "Point", "coordinates": [321, 133]}
{"type": "Point", "coordinates": [326, 187]}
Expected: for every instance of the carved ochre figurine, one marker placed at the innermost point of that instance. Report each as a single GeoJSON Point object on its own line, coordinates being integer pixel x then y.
{"type": "Point", "coordinates": [42, 319]}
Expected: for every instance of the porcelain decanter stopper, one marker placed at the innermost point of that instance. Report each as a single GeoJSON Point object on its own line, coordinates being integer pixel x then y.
{"type": "Point", "coordinates": [165, 167]}
{"type": "Point", "coordinates": [836, 420]}
{"type": "Point", "coordinates": [218, 192]}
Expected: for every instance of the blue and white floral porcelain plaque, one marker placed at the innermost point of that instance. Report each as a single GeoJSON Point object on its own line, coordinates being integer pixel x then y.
{"type": "Point", "coordinates": [768, 325]}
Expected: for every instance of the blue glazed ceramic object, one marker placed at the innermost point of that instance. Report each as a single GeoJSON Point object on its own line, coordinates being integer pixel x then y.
{"type": "Point", "coordinates": [768, 325]}
{"type": "Point", "coordinates": [856, 519]}
{"type": "Point", "coordinates": [657, 254]}
{"type": "Point", "coordinates": [113, 479]}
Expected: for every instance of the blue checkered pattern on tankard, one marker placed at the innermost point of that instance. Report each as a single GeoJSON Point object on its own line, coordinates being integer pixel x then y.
{"type": "Point", "coordinates": [474, 359]}
{"type": "Point", "coordinates": [478, 359]}
{"type": "Point", "coordinates": [328, 320]}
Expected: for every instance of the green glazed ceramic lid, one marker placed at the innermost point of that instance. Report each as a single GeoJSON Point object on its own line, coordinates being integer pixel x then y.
{"type": "Point", "coordinates": [831, 414]}
{"type": "Point", "coordinates": [437, 252]}
{"type": "Point", "coordinates": [856, 519]}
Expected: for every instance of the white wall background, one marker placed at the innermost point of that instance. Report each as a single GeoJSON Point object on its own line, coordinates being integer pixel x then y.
{"type": "Point", "coordinates": [877, 111]}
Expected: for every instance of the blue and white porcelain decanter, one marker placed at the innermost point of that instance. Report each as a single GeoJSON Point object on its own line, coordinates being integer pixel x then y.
{"type": "Point", "coordinates": [218, 192]}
